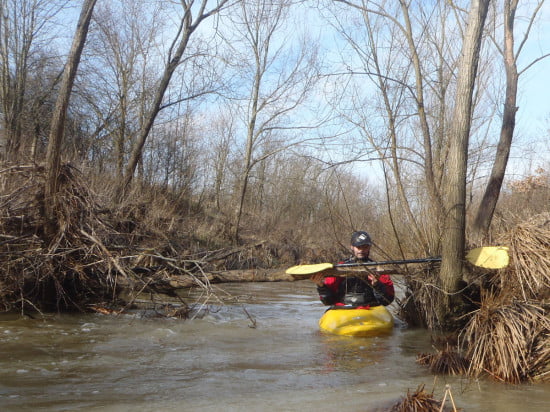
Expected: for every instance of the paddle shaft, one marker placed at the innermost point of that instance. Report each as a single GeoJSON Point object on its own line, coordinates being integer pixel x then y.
{"type": "Point", "coordinates": [353, 268]}
{"type": "Point", "coordinates": [389, 262]}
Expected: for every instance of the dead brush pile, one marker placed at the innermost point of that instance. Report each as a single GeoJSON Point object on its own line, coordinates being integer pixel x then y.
{"type": "Point", "coordinates": [63, 268]}
{"type": "Point", "coordinates": [419, 306]}
{"type": "Point", "coordinates": [83, 258]}
{"type": "Point", "coordinates": [106, 257]}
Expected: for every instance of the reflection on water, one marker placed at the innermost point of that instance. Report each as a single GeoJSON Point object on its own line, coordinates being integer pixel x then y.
{"type": "Point", "coordinates": [353, 355]}
{"type": "Point", "coordinates": [219, 362]}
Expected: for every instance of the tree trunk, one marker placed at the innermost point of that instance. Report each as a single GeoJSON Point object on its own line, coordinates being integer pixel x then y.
{"type": "Point", "coordinates": [489, 201]}
{"type": "Point", "coordinates": [187, 28]}
{"type": "Point", "coordinates": [455, 216]}
{"type": "Point", "coordinates": [137, 150]}
{"type": "Point", "coordinates": [17, 34]}
{"type": "Point", "coordinates": [436, 203]}
{"type": "Point", "coordinates": [53, 154]}
{"type": "Point", "coordinates": [245, 174]}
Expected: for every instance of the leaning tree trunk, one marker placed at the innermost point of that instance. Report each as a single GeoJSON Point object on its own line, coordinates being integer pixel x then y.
{"type": "Point", "coordinates": [455, 199]}
{"type": "Point", "coordinates": [53, 155]}
{"type": "Point", "coordinates": [486, 209]}
{"type": "Point", "coordinates": [188, 25]}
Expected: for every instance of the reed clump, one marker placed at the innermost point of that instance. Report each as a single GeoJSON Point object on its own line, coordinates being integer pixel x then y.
{"type": "Point", "coordinates": [528, 276]}
{"type": "Point", "coordinates": [422, 401]}
{"type": "Point", "coordinates": [446, 361]}
{"type": "Point", "coordinates": [507, 334]}
{"type": "Point", "coordinates": [509, 341]}
{"type": "Point", "coordinates": [508, 337]}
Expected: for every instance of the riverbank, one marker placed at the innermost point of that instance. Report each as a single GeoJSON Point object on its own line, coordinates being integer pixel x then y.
{"type": "Point", "coordinates": [96, 254]}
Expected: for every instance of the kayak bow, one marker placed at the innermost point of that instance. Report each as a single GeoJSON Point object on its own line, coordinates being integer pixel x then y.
{"type": "Point", "coordinates": [357, 322]}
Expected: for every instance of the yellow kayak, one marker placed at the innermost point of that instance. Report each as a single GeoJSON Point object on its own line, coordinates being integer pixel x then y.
{"type": "Point", "coordinates": [357, 322]}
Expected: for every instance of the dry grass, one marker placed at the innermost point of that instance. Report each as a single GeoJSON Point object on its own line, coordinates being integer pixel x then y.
{"type": "Point", "coordinates": [509, 341]}
{"type": "Point", "coordinates": [509, 336]}
{"type": "Point", "coordinates": [529, 274]}
{"type": "Point", "coordinates": [422, 401]}
{"type": "Point", "coordinates": [447, 361]}
{"type": "Point", "coordinates": [419, 307]}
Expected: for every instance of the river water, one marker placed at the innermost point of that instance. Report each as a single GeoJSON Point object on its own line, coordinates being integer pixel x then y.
{"type": "Point", "coordinates": [260, 350]}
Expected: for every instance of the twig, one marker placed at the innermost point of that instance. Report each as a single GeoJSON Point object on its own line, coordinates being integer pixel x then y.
{"type": "Point", "coordinates": [119, 312]}
{"type": "Point", "coordinates": [253, 320]}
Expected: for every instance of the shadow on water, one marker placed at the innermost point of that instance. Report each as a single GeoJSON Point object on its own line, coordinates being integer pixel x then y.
{"type": "Point", "coordinates": [218, 361]}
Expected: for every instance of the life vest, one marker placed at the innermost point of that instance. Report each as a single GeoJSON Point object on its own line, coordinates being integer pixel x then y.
{"type": "Point", "coordinates": [356, 292]}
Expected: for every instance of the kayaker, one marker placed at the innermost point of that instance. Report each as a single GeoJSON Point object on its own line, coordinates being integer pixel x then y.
{"type": "Point", "coordinates": [351, 291]}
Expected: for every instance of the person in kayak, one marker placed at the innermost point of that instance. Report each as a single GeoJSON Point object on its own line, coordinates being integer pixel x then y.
{"type": "Point", "coordinates": [351, 291]}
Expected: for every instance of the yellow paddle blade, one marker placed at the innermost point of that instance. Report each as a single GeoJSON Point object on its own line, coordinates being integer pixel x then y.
{"type": "Point", "coordinates": [309, 269]}
{"type": "Point", "coordinates": [490, 257]}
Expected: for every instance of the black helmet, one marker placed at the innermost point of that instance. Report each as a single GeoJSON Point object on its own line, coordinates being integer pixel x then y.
{"type": "Point", "coordinates": [360, 238]}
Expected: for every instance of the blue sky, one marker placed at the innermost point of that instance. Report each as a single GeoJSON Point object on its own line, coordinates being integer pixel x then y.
{"type": "Point", "coordinates": [533, 116]}
{"type": "Point", "coordinates": [534, 84]}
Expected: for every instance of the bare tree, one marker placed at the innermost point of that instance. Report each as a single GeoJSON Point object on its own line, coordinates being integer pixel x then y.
{"type": "Point", "coordinates": [122, 51]}
{"type": "Point", "coordinates": [171, 157]}
{"type": "Point", "coordinates": [418, 120]}
{"type": "Point", "coordinates": [53, 154]}
{"type": "Point", "coordinates": [24, 27]}
{"type": "Point", "coordinates": [408, 52]}
{"type": "Point", "coordinates": [277, 81]}
{"type": "Point", "coordinates": [486, 209]}
{"type": "Point", "coordinates": [193, 16]}
{"type": "Point", "coordinates": [219, 139]}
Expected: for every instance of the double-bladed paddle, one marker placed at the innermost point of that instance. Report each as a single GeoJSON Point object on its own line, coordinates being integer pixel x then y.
{"type": "Point", "coordinates": [489, 257]}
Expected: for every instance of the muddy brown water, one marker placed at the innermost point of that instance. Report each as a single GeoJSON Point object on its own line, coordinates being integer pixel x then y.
{"type": "Point", "coordinates": [260, 350]}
